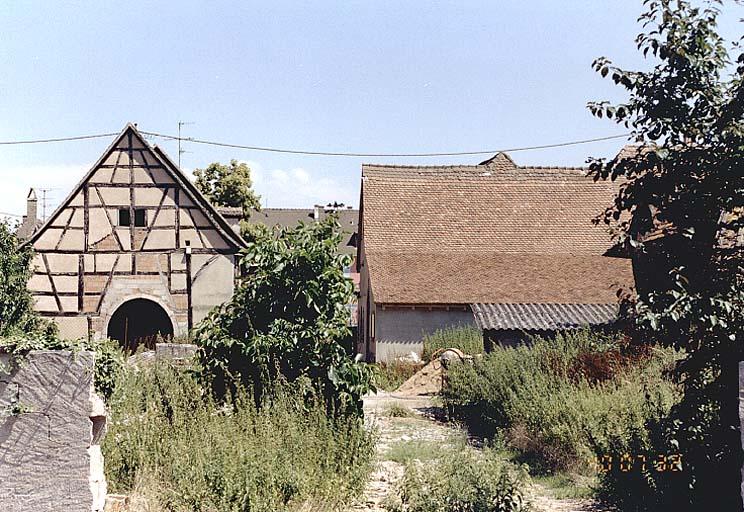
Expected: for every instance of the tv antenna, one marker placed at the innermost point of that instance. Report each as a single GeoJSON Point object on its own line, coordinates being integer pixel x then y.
{"type": "Point", "coordinates": [181, 151]}
{"type": "Point", "coordinates": [44, 201]}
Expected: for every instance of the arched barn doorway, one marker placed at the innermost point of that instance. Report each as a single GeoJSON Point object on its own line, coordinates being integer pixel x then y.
{"type": "Point", "coordinates": [138, 322]}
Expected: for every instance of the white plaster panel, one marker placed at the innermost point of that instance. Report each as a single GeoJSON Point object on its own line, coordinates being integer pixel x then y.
{"type": "Point", "coordinates": [39, 283]}
{"type": "Point", "coordinates": [178, 281]}
{"type": "Point", "coordinates": [48, 239]}
{"type": "Point", "coordinates": [166, 218]}
{"type": "Point", "coordinates": [125, 237]}
{"type": "Point", "coordinates": [102, 175]}
{"type": "Point", "coordinates": [141, 175]}
{"type": "Point", "coordinates": [73, 241]}
{"type": "Point", "coordinates": [115, 196]}
{"type": "Point", "coordinates": [178, 261]}
{"type": "Point", "coordinates": [190, 235]}
{"type": "Point", "coordinates": [147, 196]}
{"type": "Point", "coordinates": [78, 219]}
{"type": "Point", "coordinates": [185, 218]}
{"type": "Point", "coordinates": [89, 262]}
{"type": "Point", "coordinates": [213, 239]}
{"type": "Point", "coordinates": [77, 199]}
{"type": "Point", "coordinates": [161, 176]}
{"type": "Point", "coordinates": [46, 304]}
{"type": "Point", "coordinates": [62, 262]}
{"type": "Point", "coordinates": [63, 218]}
{"type": "Point", "coordinates": [161, 239]}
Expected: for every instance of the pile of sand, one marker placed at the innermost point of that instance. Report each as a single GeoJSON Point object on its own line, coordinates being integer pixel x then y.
{"type": "Point", "coordinates": [429, 379]}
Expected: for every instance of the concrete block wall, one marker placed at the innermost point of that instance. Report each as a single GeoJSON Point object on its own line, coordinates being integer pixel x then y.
{"type": "Point", "coordinates": [51, 427]}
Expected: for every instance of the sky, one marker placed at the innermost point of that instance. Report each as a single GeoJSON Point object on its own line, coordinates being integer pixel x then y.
{"type": "Point", "coordinates": [375, 77]}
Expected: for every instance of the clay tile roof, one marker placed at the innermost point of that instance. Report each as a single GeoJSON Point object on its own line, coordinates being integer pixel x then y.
{"type": "Point", "coordinates": [494, 232]}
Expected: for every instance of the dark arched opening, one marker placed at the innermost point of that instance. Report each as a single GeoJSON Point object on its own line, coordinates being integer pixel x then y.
{"type": "Point", "coordinates": [138, 322]}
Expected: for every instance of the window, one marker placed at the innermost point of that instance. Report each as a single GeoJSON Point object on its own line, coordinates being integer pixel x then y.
{"type": "Point", "coordinates": [125, 217]}
{"type": "Point", "coordinates": [140, 217]}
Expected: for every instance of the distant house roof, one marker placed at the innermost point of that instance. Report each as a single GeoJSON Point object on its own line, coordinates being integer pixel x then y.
{"type": "Point", "coordinates": [488, 233]}
{"type": "Point", "coordinates": [290, 217]}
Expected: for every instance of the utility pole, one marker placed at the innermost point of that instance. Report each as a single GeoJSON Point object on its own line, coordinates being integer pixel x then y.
{"type": "Point", "coordinates": [181, 151]}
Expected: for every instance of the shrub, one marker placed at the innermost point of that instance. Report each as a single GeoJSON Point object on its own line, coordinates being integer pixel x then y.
{"type": "Point", "coordinates": [466, 338]}
{"type": "Point", "coordinates": [171, 441]}
{"type": "Point", "coordinates": [287, 320]}
{"type": "Point", "coordinates": [553, 406]}
{"type": "Point", "coordinates": [462, 480]}
{"type": "Point", "coordinates": [389, 376]}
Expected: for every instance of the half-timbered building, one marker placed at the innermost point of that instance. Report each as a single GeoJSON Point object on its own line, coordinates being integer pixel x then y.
{"type": "Point", "coordinates": [134, 250]}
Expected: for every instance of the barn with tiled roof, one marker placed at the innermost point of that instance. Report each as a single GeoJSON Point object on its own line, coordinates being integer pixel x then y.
{"type": "Point", "coordinates": [508, 248]}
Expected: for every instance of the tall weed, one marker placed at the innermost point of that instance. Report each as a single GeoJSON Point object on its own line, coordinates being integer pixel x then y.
{"type": "Point", "coordinates": [169, 440]}
{"type": "Point", "coordinates": [469, 339]}
{"type": "Point", "coordinates": [561, 401]}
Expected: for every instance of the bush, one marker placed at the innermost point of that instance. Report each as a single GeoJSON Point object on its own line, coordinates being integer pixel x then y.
{"type": "Point", "coordinates": [561, 401]}
{"type": "Point", "coordinates": [389, 376]}
{"type": "Point", "coordinates": [171, 441]}
{"type": "Point", "coordinates": [462, 480]}
{"type": "Point", "coordinates": [288, 319]}
{"type": "Point", "coordinates": [466, 338]}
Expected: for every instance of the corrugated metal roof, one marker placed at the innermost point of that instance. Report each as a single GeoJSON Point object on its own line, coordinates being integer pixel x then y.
{"type": "Point", "coordinates": [530, 317]}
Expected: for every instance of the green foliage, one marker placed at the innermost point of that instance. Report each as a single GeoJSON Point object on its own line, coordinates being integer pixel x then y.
{"type": "Point", "coordinates": [287, 319]}
{"type": "Point", "coordinates": [109, 358]}
{"type": "Point", "coordinates": [686, 112]}
{"type": "Point", "coordinates": [228, 185]}
{"type": "Point", "coordinates": [559, 401]}
{"type": "Point", "coordinates": [469, 339]}
{"type": "Point", "coordinates": [17, 313]}
{"type": "Point", "coordinates": [171, 442]}
{"type": "Point", "coordinates": [389, 376]}
{"type": "Point", "coordinates": [461, 480]}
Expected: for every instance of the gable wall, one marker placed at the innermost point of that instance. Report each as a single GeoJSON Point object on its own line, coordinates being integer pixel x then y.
{"type": "Point", "coordinates": [86, 264]}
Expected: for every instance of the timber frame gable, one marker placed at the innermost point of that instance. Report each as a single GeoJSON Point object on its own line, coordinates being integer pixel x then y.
{"type": "Point", "coordinates": [134, 227]}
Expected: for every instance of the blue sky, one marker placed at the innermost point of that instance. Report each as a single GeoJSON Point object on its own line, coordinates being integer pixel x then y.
{"type": "Point", "coordinates": [376, 76]}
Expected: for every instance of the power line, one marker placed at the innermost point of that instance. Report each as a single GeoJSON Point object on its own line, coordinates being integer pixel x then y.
{"type": "Point", "coordinates": [58, 139]}
{"type": "Point", "coordinates": [6, 214]}
{"type": "Point", "coordinates": [376, 155]}
{"type": "Point", "coordinates": [320, 153]}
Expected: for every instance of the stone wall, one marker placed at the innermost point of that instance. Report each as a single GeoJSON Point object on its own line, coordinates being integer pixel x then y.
{"type": "Point", "coordinates": [51, 426]}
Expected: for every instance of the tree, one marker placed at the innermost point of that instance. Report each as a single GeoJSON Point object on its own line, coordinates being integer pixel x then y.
{"type": "Point", "coordinates": [685, 182]}
{"type": "Point", "coordinates": [17, 315]}
{"type": "Point", "coordinates": [287, 319]}
{"type": "Point", "coordinates": [228, 185]}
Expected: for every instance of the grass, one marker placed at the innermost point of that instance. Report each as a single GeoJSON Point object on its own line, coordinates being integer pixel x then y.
{"type": "Point", "coordinates": [466, 338]}
{"type": "Point", "coordinates": [171, 444]}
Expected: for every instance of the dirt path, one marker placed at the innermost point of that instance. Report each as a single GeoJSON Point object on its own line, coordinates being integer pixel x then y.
{"type": "Point", "coordinates": [421, 427]}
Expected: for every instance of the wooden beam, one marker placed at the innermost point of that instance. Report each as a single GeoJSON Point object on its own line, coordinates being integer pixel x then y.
{"type": "Point", "coordinates": [51, 282]}
{"type": "Point", "coordinates": [108, 283]}
{"type": "Point", "coordinates": [108, 217]}
{"type": "Point", "coordinates": [151, 223]}
{"type": "Point", "coordinates": [81, 283]}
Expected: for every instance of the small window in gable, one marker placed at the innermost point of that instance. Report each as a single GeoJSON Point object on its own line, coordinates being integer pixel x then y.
{"type": "Point", "coordinates": [125, 217]}
{"type": "Point", "coordinates": [140, 219]}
